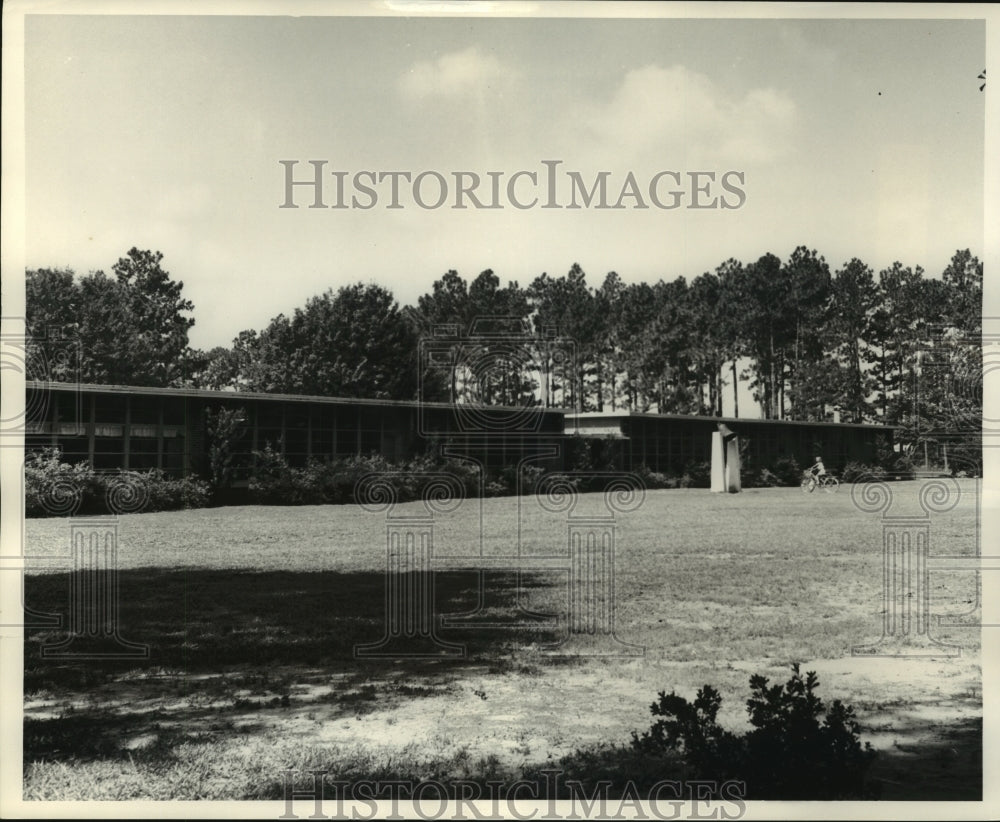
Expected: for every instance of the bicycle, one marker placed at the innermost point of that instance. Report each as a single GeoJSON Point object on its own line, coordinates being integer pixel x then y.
{"type": "Point", "coordinates": [827, 482]}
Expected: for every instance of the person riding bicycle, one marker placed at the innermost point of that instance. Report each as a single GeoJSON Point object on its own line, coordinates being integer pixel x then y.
{"type": "Point", "coordinates": [817, 470]}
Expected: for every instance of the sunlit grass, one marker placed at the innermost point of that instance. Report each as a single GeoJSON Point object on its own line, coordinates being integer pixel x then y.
{"type": "Point", "coordinates": [252, 615]}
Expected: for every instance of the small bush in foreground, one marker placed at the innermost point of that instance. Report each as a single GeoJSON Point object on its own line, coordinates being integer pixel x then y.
{"type": "Point", "coordinates": [798, 748]}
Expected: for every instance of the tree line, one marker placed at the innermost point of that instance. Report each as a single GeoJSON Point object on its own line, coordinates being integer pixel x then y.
{"type": "Point", "coordinates": [896, 347]}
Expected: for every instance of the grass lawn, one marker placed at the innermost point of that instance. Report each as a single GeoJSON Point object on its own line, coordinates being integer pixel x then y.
{"type": "Point", "coordinates": [251, 615]}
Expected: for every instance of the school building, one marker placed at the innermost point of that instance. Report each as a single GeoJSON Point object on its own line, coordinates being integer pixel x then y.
{"type": "Point", "coordinates": [168, 428]}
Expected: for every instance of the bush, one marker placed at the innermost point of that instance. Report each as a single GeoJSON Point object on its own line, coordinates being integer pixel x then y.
{"type": "Point", "coordinates": [690, 729]}
{"type": "Point", "coordinates": [860, 472]}
{"type": "Point", "coordinates": [497, 488]}
{"type": "Point", "coordinates": [698, 475]}
{"type": "Point", "coordinates": [167, 494]}
{"type": "Point", "coordinates": [135, 492]}
{"type": "Point", "coordinates": [966, 456]}
{"type": "Point", "coordinates": [787, 471]}
{"type": "Point", "coordinates": [655, 479]}
{"type": "Point", "coordinates": [225, 428]}
{"type": "Point", "coordinates": [274, 482]}
{"type": "Point", "coordinates": [789, 754]}
{"type": "Point", "coordinates": [765, 479]}
{"type": "Point", "coordinates": [55, 488]}
{"type": "Point", "coordinates": [902, 467]}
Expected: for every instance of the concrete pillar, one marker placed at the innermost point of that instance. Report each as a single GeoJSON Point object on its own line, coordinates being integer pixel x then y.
{"type": "Point", "coordinates": [718, 464]}
{"type": "Point", "coordinates": [733, 485]}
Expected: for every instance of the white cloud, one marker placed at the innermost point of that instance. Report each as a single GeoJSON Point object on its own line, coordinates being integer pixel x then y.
{"type": "Point", "coordinates": [451, 74]}
{"type": "Point", "coordinates": [676, 112]}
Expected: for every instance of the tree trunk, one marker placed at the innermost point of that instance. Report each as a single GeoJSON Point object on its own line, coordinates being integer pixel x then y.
{"type": "Point", "coordinates": [736, 390]}
{"type": "Point", "coordinates": [600, 384]}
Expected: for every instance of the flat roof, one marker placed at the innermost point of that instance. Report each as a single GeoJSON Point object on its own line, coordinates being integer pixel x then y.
{"type": "Point", "coordinates": [570, 416]}
{"type": "Point", "coordinates": [206, 393]}
{"type": "Point", "coordinates": [621, 415]}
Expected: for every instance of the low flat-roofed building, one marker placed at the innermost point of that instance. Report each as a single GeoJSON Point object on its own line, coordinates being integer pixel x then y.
{"type": "Point", "coordinates": [136, 428]}
{"type": "Point", "coordinates": [667, 443]}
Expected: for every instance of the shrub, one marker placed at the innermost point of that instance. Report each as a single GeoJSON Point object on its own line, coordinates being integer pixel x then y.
{"type": "Point", "coordinates": [578, 454]}
{"type": "Point", "coordinates": [902, 467]}
{"type": "Point", "coordinates": [225, 426]}
{"type": "Point", "coordinates": [699, 475]}
{"type": "Point", "coordinates": [506, 481]}
{"type": "Point", "coordinates": [340, 477]}
{"type": "Point", "coordinates": [690, 729]}
{"type": "Point", "coordinates": [531, 475]}
{"type": "Point", "coordinates": [966, 456]}
{"type": "Point", "coordinates": [789, 754]}
{"type": "Point", "coordinates": [55, 488]}
{"type": "Point", "coordinates": [787, 471]}
{"type": "Point", "coordinates": [135, 492]}
{"type": "Point", "coordinates": [656, 479]}
{"type": "Point", "coordinates": [272, 481]}
{"type": "Point", "coordinates": [167, 494]}
{"type": "Point", "coordinates": [884, 455]}
{"type": "Point", "coordinates": [860, 472]}
{"type": "Point", "coordinates": [465, 472]}
{"type": "Point", "coordinates": [765, 479]}
{"type": "Point", "coordinates": [497, 488]}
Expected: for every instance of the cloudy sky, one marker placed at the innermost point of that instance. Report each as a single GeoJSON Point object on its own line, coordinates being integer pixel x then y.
{"type": "Point", "coordinates": [856, 138]}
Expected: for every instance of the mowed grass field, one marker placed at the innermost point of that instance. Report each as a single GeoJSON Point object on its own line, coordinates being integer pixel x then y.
{"type": "Point", "coordinates": [252, 615]}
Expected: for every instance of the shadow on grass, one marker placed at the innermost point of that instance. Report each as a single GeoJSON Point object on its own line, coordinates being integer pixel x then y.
{"type": "Point", "coordinates": [950, 769]}
{"type": "Point", "coordinates": [201, 620]}
{"type": "Point", "coordinates": [947, 771]}
{"type": "Point", "coordinates": [224, 645]}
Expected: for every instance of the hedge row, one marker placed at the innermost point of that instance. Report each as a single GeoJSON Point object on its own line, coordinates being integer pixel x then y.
{"type": "Point", "coordinates": [784, 472]}
{"type": "Point", "coordinates": [351, 480]}
{"type": "Point", "coordinates": [53, 488]}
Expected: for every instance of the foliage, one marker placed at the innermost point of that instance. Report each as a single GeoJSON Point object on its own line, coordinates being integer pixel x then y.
{"type": "Point", "coordinates": [798, 748]}
{"type": "Point", "coordinates": [55, 488]}
{"type": "Point", "coordinates": [860, 472]}
{"type": "Point", "coordinates": [791, 755]}
{"type": "Point", "coordinates": [128, 329]}
{"type": "Point", "coordinates": [354, 342]}
{"type": "Point", "coordinates": [274, 482]}
{"type": "Point", "coordinates": [692, 730]}
{"type": "Point", "coordinates": [173, 494]}
{"type": "Point", "coordinates": [699, 475]}
{"type": "Point", "coordinates": [899, 347]}
{"type": "Point", "coordinates": [655, 479]}
{"type": "Point", "coordinates": [226, 426]}
{"type": "Point", "coordinates": [902, 467]}
{"type": "Point", "coordinates": [787, 471]}
{"type": "Point", "coordinates": [487, 325]}
{"type": "Point", "coordinates": [767, 479]}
